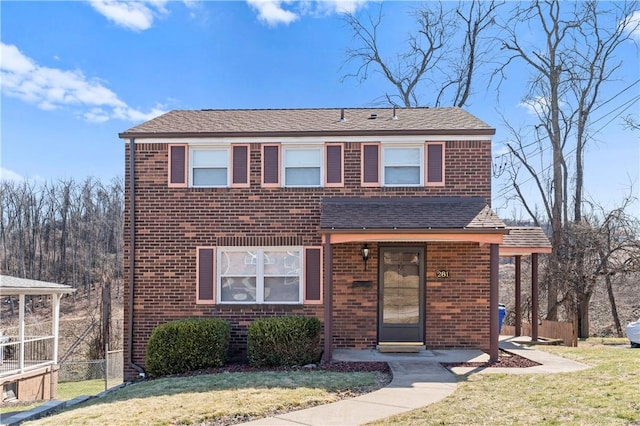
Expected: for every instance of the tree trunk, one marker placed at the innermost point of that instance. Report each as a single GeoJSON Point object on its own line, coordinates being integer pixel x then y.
{"type": "Point", "coordinates": [583, 316]}
{"type": "Point", "coordinates": [614, 308]}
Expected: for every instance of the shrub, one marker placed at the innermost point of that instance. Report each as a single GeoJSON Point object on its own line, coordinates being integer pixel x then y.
{"type": "Point", "coordinates": [289, 340]}
{"type": "Point", "coordinates": [188, 344]}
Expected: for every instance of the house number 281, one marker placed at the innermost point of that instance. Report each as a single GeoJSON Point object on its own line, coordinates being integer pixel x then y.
{"type": "Point", "coordinates": [442, 273]}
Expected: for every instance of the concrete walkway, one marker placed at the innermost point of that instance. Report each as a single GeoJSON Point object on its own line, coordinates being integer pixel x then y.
{"type": "Point", "coordinates": [418, 380]}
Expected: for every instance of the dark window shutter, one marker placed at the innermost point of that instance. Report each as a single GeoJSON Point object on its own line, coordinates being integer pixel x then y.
{"type": "Point", "coordinates": [334, 164]}
{"type": "Point", "coordinates": [270, 165]}
{"type": "Point", "coordinates": [313, 275]}
{"type": "Point", "coordinates": [370, 164]}
{"type": "Point", "coordinates": [206, 274]}
{"type": "Point", "coordinates": [178, 165]}
{"type": "Point", "coordinates": [240, 155]}
{"type": "Point", "coordinates": [435, 163]}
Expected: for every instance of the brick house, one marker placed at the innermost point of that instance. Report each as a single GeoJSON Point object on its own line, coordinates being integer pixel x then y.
{"type": "Point", "coordinates": [241, 214]}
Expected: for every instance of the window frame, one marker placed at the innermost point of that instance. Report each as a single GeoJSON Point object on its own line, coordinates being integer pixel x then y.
{"type": "Point", "coordinates": [321, 164]}
{"type": "Point", "coordinates": [420, 165]}
{"type": "Point", "coordinates": [260, 274]}
{"type": "Point", "coordinates": [225, 149]}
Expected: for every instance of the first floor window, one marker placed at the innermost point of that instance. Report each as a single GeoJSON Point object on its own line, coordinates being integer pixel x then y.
{"type": "Point", "coordinates": [402, 166]}
{"type": "Point", "coordinates": [302, 166]}
{"type": "Point", "coordinates": [209, 167]}
{"type": "Point", "coordinates": [259, 275]}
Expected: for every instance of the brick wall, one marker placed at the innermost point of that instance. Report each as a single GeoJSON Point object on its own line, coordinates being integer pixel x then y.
{"type": "Point", "coordinates": [172, 222]}
{"type": "Point", "coordinates": [457, 307]}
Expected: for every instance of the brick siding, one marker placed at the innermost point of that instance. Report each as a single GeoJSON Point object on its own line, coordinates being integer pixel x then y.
{"type": "Point", "coordinates": [172, 222]}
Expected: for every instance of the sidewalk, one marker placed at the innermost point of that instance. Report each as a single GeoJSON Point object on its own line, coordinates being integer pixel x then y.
{"type": "Point", "coordinates": [418, 380]}
{"type": "Point", "coordinates": [414, 385]}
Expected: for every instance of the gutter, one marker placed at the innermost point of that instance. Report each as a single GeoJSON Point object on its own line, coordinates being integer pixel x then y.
{"type": "Point", "coordinates": [132, 252]}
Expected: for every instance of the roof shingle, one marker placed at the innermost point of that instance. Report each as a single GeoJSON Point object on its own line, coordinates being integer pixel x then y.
{"type": "Point", "coordinates": [526, 236]}
{"type": "Point", "coordinates": [326, 121]}
{"type": "Point", "coordinates": [422, 213]}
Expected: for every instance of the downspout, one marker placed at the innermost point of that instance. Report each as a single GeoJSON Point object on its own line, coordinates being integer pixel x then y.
{"type": "Point", "coordinates": [132, 251]}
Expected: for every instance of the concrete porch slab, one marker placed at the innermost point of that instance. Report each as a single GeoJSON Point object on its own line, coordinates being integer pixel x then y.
{"type": "Point", "coordinates": [372, 355]}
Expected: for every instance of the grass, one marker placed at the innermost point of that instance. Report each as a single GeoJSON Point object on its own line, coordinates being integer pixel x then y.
{"type": "Point", "coordinates": [66, 391]}
{"type": "Point", "coordinates": [606, 394]}
{"type": "Point", "coordinates": [216, 397]}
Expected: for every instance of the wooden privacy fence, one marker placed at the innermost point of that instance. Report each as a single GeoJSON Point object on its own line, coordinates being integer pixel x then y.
{"type": "Point", "coordinates": [564, 331]}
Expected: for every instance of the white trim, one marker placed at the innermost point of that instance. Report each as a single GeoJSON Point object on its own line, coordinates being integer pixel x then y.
{"type": "Point", "coordinates": [285, 140]}
{"type": "Point", "coordinates": [193, 149]}
{"type": "Point", "coordinates": [283, 164]}
{"type": "Point", "coordinates": [260, 262]}
{"type": "Point", "coordinates": [383, 165]}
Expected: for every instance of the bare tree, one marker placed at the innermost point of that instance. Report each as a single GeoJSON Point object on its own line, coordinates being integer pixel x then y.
{"type": "Point", "coordinates": [608, 246]}
{"type": "Point", "coordinates": [436, 59]}
{"type": "Point", "coordinates": [570, 66]}
{"type": "Point", "coordinates": [62, 232]}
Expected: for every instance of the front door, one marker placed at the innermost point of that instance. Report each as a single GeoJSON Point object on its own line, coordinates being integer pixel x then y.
{"type": "Point", "coordinates": [401, 298]}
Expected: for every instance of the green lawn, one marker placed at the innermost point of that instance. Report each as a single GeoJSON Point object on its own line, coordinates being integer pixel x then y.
{"type": "Point", "coordinates": [227, 397]}
{"type": "Point", "coordinates": [607, 394]}
{"type": "Point", "coordinates": [66, 391]}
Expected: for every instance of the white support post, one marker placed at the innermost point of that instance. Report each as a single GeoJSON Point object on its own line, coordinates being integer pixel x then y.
{"type": "Point", "coordinates": [55, 315]}
{"type": "Point", "coordinates": [21, 307]}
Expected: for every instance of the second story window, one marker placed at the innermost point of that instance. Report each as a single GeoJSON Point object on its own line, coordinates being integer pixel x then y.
{"type": "Point", "coordinates": [209, 167]}
{"type": "Point", "coordinates": [302, 166]}
{"type": "Point", "coordinates": [402, 166]}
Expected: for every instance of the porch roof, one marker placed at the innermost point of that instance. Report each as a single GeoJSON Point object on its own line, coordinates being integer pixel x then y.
{"type": "Point", "coordinates": [524, 241]}
{"type": "Point", "coordinates": [12, 286]}
{"type": "Point", "coordinates": [411, 219]}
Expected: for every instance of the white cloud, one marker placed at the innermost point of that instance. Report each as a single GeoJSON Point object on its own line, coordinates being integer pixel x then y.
{"type": "Point", "coordinates": [133, 15]}
{"type": "Point", "coordinates": [537, 106]}
{"type": "Point", "coordinates": [6, 174]}
{"type": "Point", "coordinates": [274, 12]}
{"type": "Point", "coordinates": [53, 88]}
{"type": "Point", "coordinates": [340, 6]}
{"type": "Point", "coordinates": [633, 25]}
{"type": "Point", "coordinates": [271, 12]}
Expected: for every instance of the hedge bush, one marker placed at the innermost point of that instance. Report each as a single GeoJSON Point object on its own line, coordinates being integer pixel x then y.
{"type": "Point", "coordinates": [289, 340]}
{"type": "Point", "coordinates": [188, 344]}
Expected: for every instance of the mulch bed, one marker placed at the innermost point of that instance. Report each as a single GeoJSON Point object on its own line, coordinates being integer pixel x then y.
{"type": "Point", "coordinates": [505, 360]}
{"type": "Point", "coordinates": [346, 367]}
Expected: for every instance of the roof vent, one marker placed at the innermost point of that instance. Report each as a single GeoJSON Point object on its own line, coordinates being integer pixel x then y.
{"type": "Point", "coordinates": [342, 115]}
{"type": "Point", "coordinates": [373, 116]}
{"type": "Point", "coordinates": [395, 117]}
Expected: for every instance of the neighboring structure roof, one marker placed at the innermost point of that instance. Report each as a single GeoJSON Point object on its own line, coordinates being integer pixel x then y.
{"type": "Point", "coordinates": [299, 122]}
{"type": "Point", "coordinates": [12, 286]}
{"type": "Point", "coordinates": [524, 240]}
{"type": "Point", "coordinates": [422, 213]}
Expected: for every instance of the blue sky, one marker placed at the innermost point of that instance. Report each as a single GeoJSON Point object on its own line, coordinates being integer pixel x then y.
{"type": "Point", "coordinates": [75, 74]}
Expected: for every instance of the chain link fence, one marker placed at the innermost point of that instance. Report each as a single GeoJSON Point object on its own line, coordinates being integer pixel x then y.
{"type": "Point", "coordinates": [111, 369]}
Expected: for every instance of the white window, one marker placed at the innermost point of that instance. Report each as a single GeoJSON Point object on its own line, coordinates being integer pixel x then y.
{"type": "Point", "coordinates": [303, 166]}
{"type": "Point", "coordinates": [209, 167]}
{"type": "Point", "coordinates": [259, 275]}
{"type": "Point", "coordinates": [402, 166]}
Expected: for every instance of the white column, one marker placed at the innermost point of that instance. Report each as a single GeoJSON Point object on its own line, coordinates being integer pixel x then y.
{"type": "Point", "coordinates": [55, 315]}
{"type": "Point", "coordinates": [21, 330]}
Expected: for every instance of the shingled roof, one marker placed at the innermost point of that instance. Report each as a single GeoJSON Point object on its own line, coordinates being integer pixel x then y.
{"type": "Point", "coordinates": [422, 213]}
{"type": "Point", "coordinates": [10, 286]}
{"type": "Point", "coordinates": [301, 122]}
{"type": "Point", "coordinates": [524, 240]}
